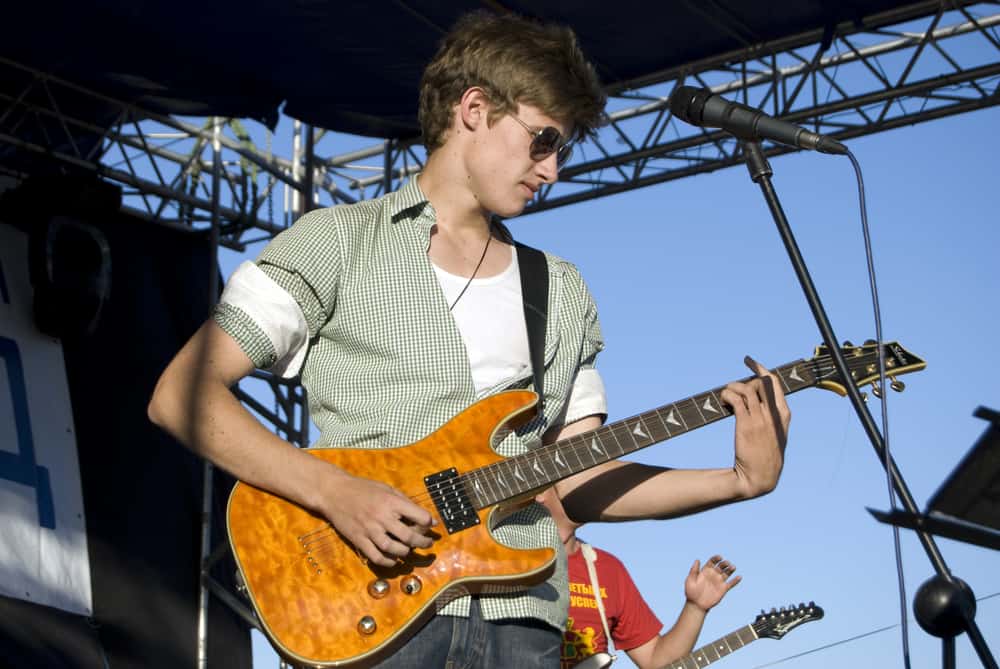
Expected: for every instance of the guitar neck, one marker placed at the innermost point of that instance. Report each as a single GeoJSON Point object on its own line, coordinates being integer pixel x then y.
{"type": "Point", "coordinates": [543, 466]}
{"type": "Point", "coordinates": [718, 649]}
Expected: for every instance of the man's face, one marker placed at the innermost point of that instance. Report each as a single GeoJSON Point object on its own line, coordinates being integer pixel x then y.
{"type": "Point", "coordinates": [503, 175]}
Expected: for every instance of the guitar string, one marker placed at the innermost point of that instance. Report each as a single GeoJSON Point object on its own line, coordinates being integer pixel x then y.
{"type": "Point", "coordinates": [615, 430]}
{"type": "Point", "coordinates": [568, 447]}
{"type": "Point", "coordinates": [576, 446]}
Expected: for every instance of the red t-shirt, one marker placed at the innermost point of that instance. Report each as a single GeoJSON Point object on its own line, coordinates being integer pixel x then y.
{"type": "Point", "coordinates": [631, 621]}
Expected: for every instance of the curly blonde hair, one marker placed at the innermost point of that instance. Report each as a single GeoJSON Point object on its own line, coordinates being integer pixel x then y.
{"type": "Point", "coordinates": [514, 60]}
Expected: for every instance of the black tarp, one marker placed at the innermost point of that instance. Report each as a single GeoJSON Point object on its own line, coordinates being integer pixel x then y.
{"type": "Point", "coordinates": [141, 490]}
{"type": "Point", "coordinates": [354, 66]}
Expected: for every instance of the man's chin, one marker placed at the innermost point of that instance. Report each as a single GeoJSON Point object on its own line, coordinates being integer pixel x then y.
{"type": "Point", "coordinates": [510, 210]}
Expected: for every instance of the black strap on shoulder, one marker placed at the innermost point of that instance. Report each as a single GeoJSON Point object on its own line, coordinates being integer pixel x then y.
{"type": "Point", "coordinates": [534, 272]}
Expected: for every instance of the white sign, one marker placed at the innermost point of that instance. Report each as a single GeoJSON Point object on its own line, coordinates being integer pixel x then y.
{"type": "Point", "coordinates": [43, 536]}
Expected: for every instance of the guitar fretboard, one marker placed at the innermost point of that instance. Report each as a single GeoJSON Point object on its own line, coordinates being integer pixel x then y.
{"type": "Point", "coordinates": [548, 464]}
{"type": "Point", "coordinates": [718, 649]}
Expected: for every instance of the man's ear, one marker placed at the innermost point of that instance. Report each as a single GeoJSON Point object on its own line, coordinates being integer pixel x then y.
{"type": "Point", "coordinates": [473, 108]}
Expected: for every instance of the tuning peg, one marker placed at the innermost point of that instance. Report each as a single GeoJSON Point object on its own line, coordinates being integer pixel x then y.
{"type": "Point", "coordinates": [897, 385]}
{"type": "Point", "coordinates": [864, 397]}
{"type": "Point", "coordinates": [870, 342]}
{"type": "Point", "coordinates": [876, 390]}
{"type": "Point", "coordinates": [848, 344]}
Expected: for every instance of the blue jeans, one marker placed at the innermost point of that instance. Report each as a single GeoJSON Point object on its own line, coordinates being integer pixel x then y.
{"type": "Point", "coordinates": [451, 642]}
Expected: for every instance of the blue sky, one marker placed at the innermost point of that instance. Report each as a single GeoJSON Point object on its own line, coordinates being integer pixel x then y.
{"type": "Point", "coordinates": [691, 275]}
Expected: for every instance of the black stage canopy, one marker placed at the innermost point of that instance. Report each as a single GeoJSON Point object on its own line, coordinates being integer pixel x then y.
{"type": "Point", "coordinates": [354, 66]}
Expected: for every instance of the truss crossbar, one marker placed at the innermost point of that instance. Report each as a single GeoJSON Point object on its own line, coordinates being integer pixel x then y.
{"type": "Point", "coordinates": [928, 61]}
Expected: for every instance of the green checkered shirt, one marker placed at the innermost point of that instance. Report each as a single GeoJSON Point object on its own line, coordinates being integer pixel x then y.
{"type": "Point", "coordinates": [386, 364]}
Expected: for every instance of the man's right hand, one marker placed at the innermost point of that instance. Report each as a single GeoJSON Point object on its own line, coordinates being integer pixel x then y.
{"type": "Point", "coordinates": [377, 519]}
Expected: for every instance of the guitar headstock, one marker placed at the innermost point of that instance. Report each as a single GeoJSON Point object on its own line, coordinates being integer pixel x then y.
{"type": "Point", "coordinates": [778, 623]}
{"type": "Point", "coordinates": [863, 364]}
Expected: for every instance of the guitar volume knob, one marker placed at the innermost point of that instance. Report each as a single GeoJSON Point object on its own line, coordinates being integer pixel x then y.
{"type": "Point", "coordinates": [378, 588]}
{"type": "Point", "coordinates": [411, 585]}
{"type": "Point", "coordinates": [367, 625]}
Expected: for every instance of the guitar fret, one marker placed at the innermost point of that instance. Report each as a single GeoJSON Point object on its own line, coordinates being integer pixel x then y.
{"type": "Point", "coordinates": [691, 413]}
{"type": "Point", "coordinates": [781, 375]}
{"type": "Point", "coordinates": [618, 444]}
{"type": "Point", "coordinates": [694, 403]}
{"type": "Point", "coordinates": [708, 653]}
{"type": "Point", "coordinates": [517, 475]}
{"type": "Point", "coordinates": [576, 451]}
{"type": "Point", "coordinates": [483, 487]}
{"type": "Point", "coordinates": [594, 449]}
{"type": "Point", "coordinates": [716, 408]}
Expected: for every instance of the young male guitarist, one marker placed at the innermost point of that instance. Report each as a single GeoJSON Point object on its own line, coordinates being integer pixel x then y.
{"type": "Point", "coordinates": [392, 311]}
{"type": "Point", "coordinates": [632, 625]}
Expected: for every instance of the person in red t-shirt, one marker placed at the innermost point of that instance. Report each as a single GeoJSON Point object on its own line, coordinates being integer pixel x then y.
{"type": "Point", "coordinates": [634, 627]}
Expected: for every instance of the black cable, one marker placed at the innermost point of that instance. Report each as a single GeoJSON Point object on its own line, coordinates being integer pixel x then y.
{"type": "Point", "coordinates": [904, 621]}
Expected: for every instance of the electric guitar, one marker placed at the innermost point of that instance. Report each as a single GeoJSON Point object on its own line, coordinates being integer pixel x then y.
{"type": "Point", "coordinates": [322, 604]}
{"type": "Point", "coordinates": [773, 625]}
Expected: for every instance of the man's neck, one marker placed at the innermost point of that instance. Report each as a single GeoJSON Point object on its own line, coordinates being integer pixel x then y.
{"type": "Point", "coordinates": [456, 207]}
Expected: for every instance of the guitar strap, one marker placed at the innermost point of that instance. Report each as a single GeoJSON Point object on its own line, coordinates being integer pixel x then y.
{"type": "Point", "coordinates": [534, 270]}
{"type": "Point", "coordinates": [590, 557]}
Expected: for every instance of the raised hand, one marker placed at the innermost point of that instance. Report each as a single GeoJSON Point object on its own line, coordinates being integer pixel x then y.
{"type": "Point", "coordinates": [762, 419]}
{"type": "Point", "coordinates": [705, 586]}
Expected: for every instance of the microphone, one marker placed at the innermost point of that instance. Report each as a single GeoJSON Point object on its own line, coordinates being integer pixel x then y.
{"type": "Point", "coordinates": [703, 108]}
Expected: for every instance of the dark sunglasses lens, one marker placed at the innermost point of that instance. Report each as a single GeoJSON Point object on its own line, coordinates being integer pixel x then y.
{"type": "Point", "coordinates": [545, 143]}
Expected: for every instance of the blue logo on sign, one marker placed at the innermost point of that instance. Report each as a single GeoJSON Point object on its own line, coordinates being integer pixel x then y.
{"type": "Point", "coordinates": [21, 466]}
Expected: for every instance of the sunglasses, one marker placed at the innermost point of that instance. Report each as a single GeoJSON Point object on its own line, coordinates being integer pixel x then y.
{"type": "Point", "coordinates": [545, 142]}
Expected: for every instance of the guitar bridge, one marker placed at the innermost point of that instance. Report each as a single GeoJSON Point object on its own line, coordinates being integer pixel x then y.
{"type": "Point", "coordinates": [451, 500]}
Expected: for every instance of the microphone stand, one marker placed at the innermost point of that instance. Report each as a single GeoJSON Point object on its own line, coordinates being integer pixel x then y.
{"type": "Point", "coordinates": [953, 599]}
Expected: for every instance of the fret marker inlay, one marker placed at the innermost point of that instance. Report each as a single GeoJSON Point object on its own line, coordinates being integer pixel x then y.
{"type": "Point", "coordinates": [671, 419]}
{"type": "Point", "coordinates": [538, 468]}
{"type": "Point", "coordinates": [637, 431]}
{"type": "Point", "coordinates": [517, 474]}
{"type": "Point", "coordinates": [795, 374]}
{"type": "Point", "coordinates": [559, 460]}
{"type": "Point", "coordinates": [596, 447]}
{"type": "Point", "coordinates": [707, 406]}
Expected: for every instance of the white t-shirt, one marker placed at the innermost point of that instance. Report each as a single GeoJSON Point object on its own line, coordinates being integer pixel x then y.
{"type": "Point", "coordinates": [490, 318]}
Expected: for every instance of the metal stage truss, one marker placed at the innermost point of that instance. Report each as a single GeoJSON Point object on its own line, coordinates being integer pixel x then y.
{"type": "Point", "coordinates": [915, 64]}
{"type": "Point", "coordinates": [925, 61]}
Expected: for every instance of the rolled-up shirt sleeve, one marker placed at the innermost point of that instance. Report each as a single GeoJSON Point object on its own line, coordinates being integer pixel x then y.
{"type": "Point", "coordinates": [264, 320]}
{"type": "Point", "coordinates": [586, 398]}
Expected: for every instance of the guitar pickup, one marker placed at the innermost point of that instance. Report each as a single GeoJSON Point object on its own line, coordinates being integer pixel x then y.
{"type": "Point", "coordinates": [451, 498]}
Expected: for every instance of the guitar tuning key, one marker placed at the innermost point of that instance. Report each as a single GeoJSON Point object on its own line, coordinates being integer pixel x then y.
{"type": "Point", "coordinates": [897, 385]}
{"type": "Point", "coordinates": [870, 342]}
{"type": "Point", "coordinates": [876, 390]}
{"type": "Point", "coordinates": [848, 344]}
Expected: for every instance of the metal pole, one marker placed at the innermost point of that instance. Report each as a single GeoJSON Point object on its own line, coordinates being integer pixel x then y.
{"type": "Point", "coordinates": [307, 180]}
{"type": "Point", "coordinates": [296, 167]}
{"type": "Point", "coordinates": [206, 493]}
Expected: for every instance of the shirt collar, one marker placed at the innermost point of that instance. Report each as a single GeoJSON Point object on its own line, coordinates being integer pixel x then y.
{"type": "Point", "coordinates": [410, 202]}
